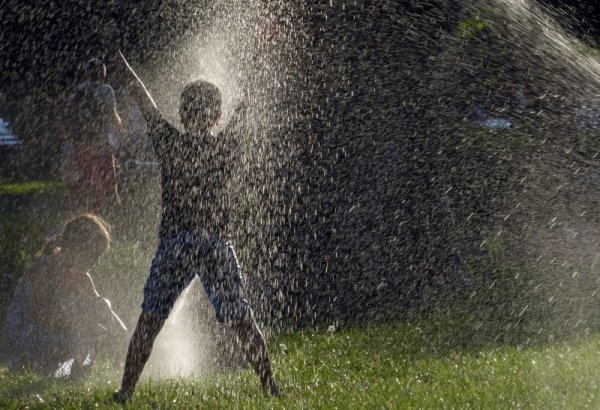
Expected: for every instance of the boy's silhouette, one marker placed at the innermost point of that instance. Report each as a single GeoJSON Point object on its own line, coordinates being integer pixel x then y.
{"type": "Point", "coordinates": [195, 168]}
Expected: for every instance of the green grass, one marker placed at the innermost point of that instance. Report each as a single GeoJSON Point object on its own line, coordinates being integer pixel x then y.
{"type": "Point", "coordinates": [30, 212]}
{"type": "Point", "coordinates": [8, 187]}
{"type": "Point", "coordinates": [405, 366]}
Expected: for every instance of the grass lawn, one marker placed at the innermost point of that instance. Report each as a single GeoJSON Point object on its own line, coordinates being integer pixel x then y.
{"type": "Point", "coordinates": [461, 360]}
{"type": "Point", "coordinates": [407, 365]}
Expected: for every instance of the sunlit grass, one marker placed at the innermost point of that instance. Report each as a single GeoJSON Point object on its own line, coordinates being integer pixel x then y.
{"type": "Point", "coordinates": [8, 187]}
{"type": "Point", "coordinates": [402, 366]}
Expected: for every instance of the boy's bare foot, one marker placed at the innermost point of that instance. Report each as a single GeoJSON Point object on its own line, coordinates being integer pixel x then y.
{"type": "Point", "coordinates": [272, 388]}
{"type": "Point", "coordinates": [121, 397]}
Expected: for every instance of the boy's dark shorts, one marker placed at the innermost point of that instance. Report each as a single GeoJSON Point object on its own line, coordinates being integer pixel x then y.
{"type": "Point", "coordinates": [181, 257]}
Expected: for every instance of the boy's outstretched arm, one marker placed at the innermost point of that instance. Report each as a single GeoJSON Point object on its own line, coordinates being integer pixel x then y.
{"type": "Point", "coordinates": [111, 41]}
{"type": "Point", "coordinates": [240, 114]}
{"type": "Point", "coordinates": [135, 86]}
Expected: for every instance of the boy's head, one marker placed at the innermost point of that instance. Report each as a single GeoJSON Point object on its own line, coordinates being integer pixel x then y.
{"type": "Point", "coordinates": [200, 106]}
{"type": "Point", "coordinates": [95, 70]}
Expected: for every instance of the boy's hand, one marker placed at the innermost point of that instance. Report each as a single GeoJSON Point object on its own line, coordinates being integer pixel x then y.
{"type": "Point", "coordinates": [272, 30]}
{"type": "Point", "coordinates": [239, 114]}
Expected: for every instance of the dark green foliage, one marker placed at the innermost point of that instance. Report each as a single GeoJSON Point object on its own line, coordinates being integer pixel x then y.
{"type": "Point", "coordinates": [25, 226]}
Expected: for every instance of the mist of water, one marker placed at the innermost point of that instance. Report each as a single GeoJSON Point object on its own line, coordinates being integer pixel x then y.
{"type": "Point", "coordinates": [547, 230]}
{"type": "Point", "coordinates": [364, 181]}
{"type": "Point", "coordinates": [546, 224]}
{"type": "Point", "coordinates": [230, 48]}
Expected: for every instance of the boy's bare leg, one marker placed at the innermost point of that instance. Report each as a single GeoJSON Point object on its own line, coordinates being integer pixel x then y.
{"type": "Point", "coordinates": [140, 347]}
{"type": "Point", "coordinates": [255, 348]}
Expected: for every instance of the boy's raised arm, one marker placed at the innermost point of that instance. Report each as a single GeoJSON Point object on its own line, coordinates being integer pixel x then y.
{"type": "Point", "coordinates": [135, 86]}
{"type": "Point", "coordinates": [237, 119]}
{"type": "Point", "coordinates": [111, 41]}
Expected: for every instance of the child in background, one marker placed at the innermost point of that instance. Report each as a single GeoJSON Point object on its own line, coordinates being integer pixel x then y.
{"type": "Point", "coordinates": [56, 314]}
{"type": "Point", "coordinates": [91, 119]}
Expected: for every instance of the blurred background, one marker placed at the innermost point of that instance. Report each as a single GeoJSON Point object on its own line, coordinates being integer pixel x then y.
{"type": "Point", "coordinates": [401, 157]}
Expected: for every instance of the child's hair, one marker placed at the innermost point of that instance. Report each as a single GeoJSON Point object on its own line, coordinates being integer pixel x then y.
{"type": "Point", "coordinates": [87, 230]}
{"type": "Point", "coordinates": [95, 70]}
{"type": "Point", "coordinates": [200, 105]}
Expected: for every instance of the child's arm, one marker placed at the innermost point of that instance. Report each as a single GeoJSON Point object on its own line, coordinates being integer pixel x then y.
{"type": "Point", "coordinates": [87, 306]}
{"type": "Point", "coordinates": [109, 108]}
{"type": "Point", "coordinates": [106, 302]}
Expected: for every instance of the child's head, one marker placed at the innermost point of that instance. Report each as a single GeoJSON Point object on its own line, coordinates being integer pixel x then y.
{"type": "Point", "coordinates": [95, 70]}
{"type": "Point", "coordinates": [200, 106]}
{"type": "Point", "coordinates": [84, 239]}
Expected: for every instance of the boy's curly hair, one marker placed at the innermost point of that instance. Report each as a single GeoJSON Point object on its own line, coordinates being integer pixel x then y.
{"type": "Point", "coordinates": [200, 106]}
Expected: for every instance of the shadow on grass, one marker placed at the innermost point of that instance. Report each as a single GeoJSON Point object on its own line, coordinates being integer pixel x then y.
{"type": "Point", "coordinates": [18, 386]}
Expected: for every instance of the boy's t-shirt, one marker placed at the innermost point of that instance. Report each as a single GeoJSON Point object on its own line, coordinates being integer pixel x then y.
{"type": "Point", "coordinates": [195, 172]}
